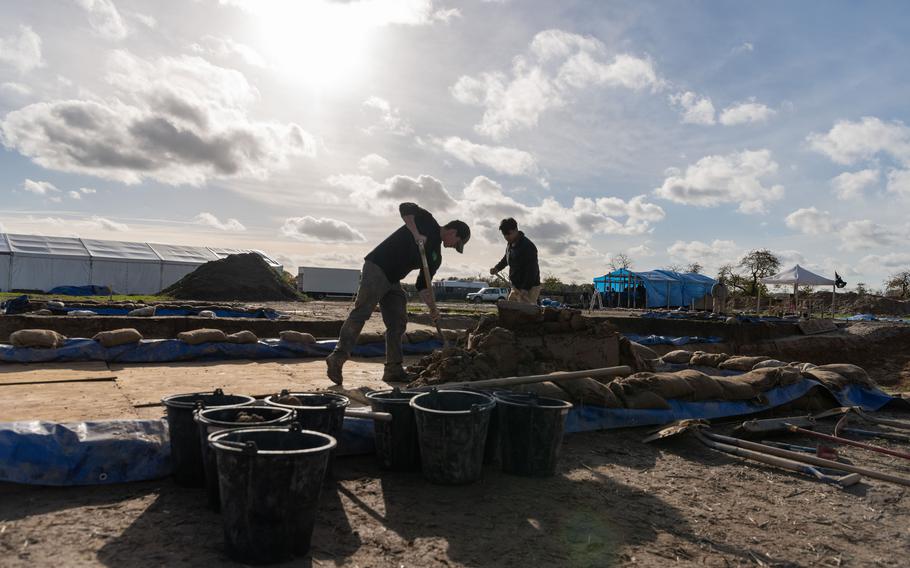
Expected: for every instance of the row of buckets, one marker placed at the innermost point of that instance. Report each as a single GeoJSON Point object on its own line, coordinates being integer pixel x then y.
{"type": "Point", "coordinates": [266, 476]}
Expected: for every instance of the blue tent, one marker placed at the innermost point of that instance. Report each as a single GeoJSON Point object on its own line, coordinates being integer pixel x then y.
{"type": "Point", "coordinates": [654, 288]}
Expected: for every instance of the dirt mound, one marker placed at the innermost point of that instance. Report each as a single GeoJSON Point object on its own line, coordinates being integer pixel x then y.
{"type": "Point", "coordinates": [238, 277]}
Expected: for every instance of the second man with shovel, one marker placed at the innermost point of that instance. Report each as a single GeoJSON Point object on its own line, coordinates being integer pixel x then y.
{"type": "Point", "coordinates": [380, 283]}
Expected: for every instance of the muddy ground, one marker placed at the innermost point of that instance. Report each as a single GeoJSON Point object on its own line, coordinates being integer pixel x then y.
{"type": "Point", "coordinates": [614, 502]}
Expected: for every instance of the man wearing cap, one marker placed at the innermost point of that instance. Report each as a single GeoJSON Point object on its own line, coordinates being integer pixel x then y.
{"type": "Point", "coordinates": [521, 257]}
{"type": "Point", "coordinates": [380, 283]}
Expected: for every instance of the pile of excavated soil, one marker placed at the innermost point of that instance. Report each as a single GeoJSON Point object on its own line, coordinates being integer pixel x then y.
{"type": "Point", "coordinates": [244, 277]}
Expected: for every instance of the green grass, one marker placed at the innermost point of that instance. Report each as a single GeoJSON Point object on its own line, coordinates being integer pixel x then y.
{"type": "Point", "coordinates": [116, 298]}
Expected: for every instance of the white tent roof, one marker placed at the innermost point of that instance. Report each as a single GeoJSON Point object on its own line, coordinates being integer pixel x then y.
{"type": "Point", "coordinates": [120, 250]}
{"type": "Point", "coordinates": [4, 244]}
{"type": "Point", "coordinates": [799, 276]}
{"type": "Point", "coordinates": [37, 245]}
{"type": "Point", "coordinates": [183, 254]}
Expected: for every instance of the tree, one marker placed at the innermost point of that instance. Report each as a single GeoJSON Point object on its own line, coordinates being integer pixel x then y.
{"type": "Point", "coordinates": [899, 282]}
{"type": "Point", "coordinates": [758, 264]}
{"type": "Point", "coordinates": [861, 288]}
{"type": "Point", "coordinates": [735, 282]}
{"type": "Point", "coordinates": [675, 267]}
{"type": "Point", "coordinates": [552, 284]}
{"type": "Point", "coordinates": [695, 268]}
{"type": "Point", "coordinates": [620, 261]}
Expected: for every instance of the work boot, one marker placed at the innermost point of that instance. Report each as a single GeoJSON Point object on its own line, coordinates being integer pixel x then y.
{"type": "Point", "coordinates": [334, 362]}
{"type": "Point", "coordinates": [395, 373]}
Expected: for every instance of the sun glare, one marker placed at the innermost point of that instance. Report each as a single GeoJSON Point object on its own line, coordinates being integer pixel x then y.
{"type": "Point", "coordinates": [320, 44]}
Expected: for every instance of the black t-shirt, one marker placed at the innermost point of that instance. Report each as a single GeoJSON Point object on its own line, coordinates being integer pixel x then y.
{"type": "Point", "coordinates": [398, 255]}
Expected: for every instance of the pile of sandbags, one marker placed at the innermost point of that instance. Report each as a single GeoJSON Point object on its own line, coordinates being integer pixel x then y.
{"type": "Point", "coordinates": [199, 336]}
{"type": "Point", "coordinates": [291, 336]}
{"type": "Point", "coordinates": [117, 337]}
{"type": "Point", "coordinates": [242, 337]}
{"type": "Point", "coordinates": [37, 338]}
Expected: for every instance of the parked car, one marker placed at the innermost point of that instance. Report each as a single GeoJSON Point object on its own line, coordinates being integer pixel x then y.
{"type": "Point", "coordinates": [488, 295]}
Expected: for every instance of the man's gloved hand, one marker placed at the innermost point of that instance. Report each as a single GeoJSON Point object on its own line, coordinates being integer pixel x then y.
{"type": "Point", "coordinates": [434, 314]}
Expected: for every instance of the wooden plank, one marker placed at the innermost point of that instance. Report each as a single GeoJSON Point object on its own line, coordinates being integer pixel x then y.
{"type": "Point", "coordinates": [61, 402]}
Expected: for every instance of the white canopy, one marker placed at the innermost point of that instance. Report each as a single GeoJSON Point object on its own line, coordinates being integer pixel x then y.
{"type": "Point", "coordinates": [798, 276]}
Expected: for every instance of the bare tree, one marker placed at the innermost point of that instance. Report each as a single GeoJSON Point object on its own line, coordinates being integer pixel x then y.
{"type": "Point", "coordinates": [621, 261]}
{"type": "Point", "coordinates": [736, 282]}
{"type": "Point", "coordinates": [675, 268]}
{"type": "Point", "coordinates": [861, 288]}
{"type": "Point", "coordinates": [899, 282]}
{"type": "Point", "coordinates": [694, 268]}
{"type": "Point", "coordinates": [759, 264]}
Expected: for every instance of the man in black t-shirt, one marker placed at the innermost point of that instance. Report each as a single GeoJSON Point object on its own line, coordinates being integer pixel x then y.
{"type": "Point", "coordinates": [380, 283]}
{"type": "Point", "coordinates": [521, 258]}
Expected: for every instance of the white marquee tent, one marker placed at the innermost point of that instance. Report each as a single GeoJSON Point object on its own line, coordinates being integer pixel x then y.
{"type": "Point", "coordinates": [799, 276]}
{"type": "Point", "coordinates": [32, 262]}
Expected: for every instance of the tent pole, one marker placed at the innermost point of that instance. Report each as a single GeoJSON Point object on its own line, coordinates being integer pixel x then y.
{"type": "Point", "coordinates": [833, 301]}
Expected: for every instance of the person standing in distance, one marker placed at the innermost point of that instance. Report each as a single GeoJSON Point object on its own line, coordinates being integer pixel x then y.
{"type": "Point", "coordinates": [380, 283]}
{"type": "Point", "coordinates": [521, 257]}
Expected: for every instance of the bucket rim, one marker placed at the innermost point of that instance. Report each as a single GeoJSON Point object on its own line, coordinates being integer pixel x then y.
{"type": "Point", "coordinates": [490, 402]}
{"type": "Point", "coordinates": [287, 417]}
{"type": "Point", "coordinates": [558, 404]}
{"type": "Point", "coordinates": [374, 395]}
{"type": "Point", "coordinates": [171, 402]}
{"type": "Point", "coordinates": [343, 401]}
{"type": "Point", "coordinates": [330, 441]}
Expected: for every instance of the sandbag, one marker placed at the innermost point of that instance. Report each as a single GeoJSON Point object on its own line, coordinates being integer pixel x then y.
{"type": "Point", "coordinates": [832, 380]}
{"type": "Point", "coordinates": [741, 363]}
{"type": "Point", "coordinates": [769, 364]}
{"type": "Point", "coordinates": [736, 389]}
{"type": "Point", "coordinates": [117, 337]}
{"type": "Point", "coordinates": [82, 313]}
{"type": "Point", "coordinates": [771, 377]}
{"type": "Point", "coordinates": [291, 336]}
{"type": "Point", "coordinates": [667, 385]}
{"type": "Point", "coordinates": [586, 390]}
{"type": "Point", "coordinates": [644, 355]}
{"type": "Point", "coordinates": [206, 314]}
{"type": "Point", "coordinates": [55, 305]}
{"type": "Point", "coordinates": [147, 311]}
{"type": "Point", "coordinates": [705, 387]}
{"type": "Point", "coordinates": [853, 373]}
{"type": "Point", "coordinates": [644, 400]}
{"type": "Point", "coordinates": [702, 359]}
{"type": "Point", "coordinates": [198, 336]}
{"type": "Point", "coordinates": [370, 337]}
{"type": "Point", "coordinates": [545, 389]}
{"type": "Point", "coordinates": [39, 338]}
{"type": "Point", "coordinates": [242, 337]}
{"type": "Point", "coordinates": [420, 335]}
{"type": "Point", "coordinates": [679, 357]}
{"type": "Point", "coordinates": [41, 312]}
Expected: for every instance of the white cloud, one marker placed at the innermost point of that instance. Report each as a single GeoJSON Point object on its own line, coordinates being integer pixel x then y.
{"type": "Point", "coordinates": [320, 230]}
{"type": "Point", "coordinates": [866, 233]}
{"type": "Point", "coordinates": [177, 120]}
{"type": "Point", "coordinates": [209, 220]}
{"type": "Point", "coordinates": [742, 113]}
{"type": "Point", "coordinates": [74, 194]}
{"type": "Point", "coordinates": [106, 224]}
{"type": "Point", "coordinates": [145, 19]}
{"type": "Point", "coordinates": [23, 51]}
{"type": "Point", "coordinates": [500, 159]}
{"type": "Point", "coordinates": [389, 118]}
{"type": "Point", "coordinates": [365, 13]}
{"type": "Point", "coordinates": [711, 254]}
{"type": "Point", "coordinates": [899, 182]}
{"type": "Point", "coordinates": [639, 251]}
{"type": "Point", "coordinates": [15, 89]}
{"type": "Point", "coordinates": [744, 47]}
{"type": "Point", "coordinates": [891, 260]}
{"type": "Point", "coordinates": [695, 109]}
{"type": "Point", "coordinates": [104, 18]}
{"type": "Point", "coordinates": [227, 48]}
{"type": "Point", "coordinates": [810, 221]}
{"type": "Point", "coordinates": [558, 64]}
{"type": "Point", "coordinates": [851, 185]}
{"type": "Point", "coordinates": [384, 197]}
{"type": "Point", "coordinates": [734, 178]}
{"type": "Point", "coordinates": [39, 187]}
{"type": "Point", "coordinates": [87, 190]}
{"type": "Point", "coordinates": [850, 142]}
{"type": "Point", "coordinates": [372, 163]}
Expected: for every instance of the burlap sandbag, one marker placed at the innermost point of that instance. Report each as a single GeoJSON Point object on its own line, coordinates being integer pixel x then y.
{"type": "Point", "coordinates": [705, 387]}
{"type": "Point", "coordinates": [147, 311]}
{"type": "Point", "coordinates": [117, 337]}
{"type": "Point", "coordinates": [643, 400]}
{"type": "Point", "coordinates": [832, 380]}
{"type": "Point", "coordinates": [291, 336]}
{"type": "Point", "coordinates": [420, 335]}
{"type": "Point", "coordinates": [741, 363]}
{"type": "Point", "coordinates": [588, 391]}
{"type": "Point", "coordinates": [702, 359]}
{"type": "Point", "coordinates": [853, 373]}
{"type": "Point", "coordinates": [370, 337]}
{"type": "Point", "coordinates": [667, 385]}
{"type": "Point", "coordinates": [771, 377]}
{"type": "Point", "coordinates": [769, 364]}
{"type": "Point", "coordinates": [209, 314]}
{"type": "Point", "coordinates": [40, 338]}
{"type": "Point", "coordinates": [679, 357]}
{"type": "Point", "coordinates": [736, 389]}
{"type": "Point", "coordinates": [545, 389]}
{"type": "Point", "coordinates": [243, 337]}
{"type": "Point", "coordinates": [198, 336]}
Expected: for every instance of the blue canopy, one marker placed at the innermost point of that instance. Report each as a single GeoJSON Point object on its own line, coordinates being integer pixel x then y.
{"type": "Point", "coordinates": [662, 288]}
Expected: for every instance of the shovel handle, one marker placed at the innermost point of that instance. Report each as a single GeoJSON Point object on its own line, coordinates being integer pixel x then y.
{"type": "Point", "coordinates": [369, 414]}
{"type": "Point", "coordinates": [427, 280]}
{"type": "Point", "coordinates": [848, 442]}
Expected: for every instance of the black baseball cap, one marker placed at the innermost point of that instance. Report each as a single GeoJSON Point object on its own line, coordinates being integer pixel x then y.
{"type": "Point", "coordinates": [463, 232]}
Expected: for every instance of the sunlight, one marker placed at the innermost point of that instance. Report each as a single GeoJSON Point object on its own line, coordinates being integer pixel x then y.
{"type": "Point", "coordinates": [317, 43]}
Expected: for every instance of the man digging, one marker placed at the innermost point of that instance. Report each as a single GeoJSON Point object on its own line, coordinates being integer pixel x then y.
{"type": "Point", "coordinates": [521, 256]}
{"type": "Point", "coordinates": [380, 283]}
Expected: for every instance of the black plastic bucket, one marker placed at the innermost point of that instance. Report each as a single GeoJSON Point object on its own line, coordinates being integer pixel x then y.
{"type": "Point", "coordinates": [269, 480]}
{"type": "Point", "coordinates": [530, 433]}
{"type": "Point", "coordinates": [452, 431]}
{"type": "Point", "coordinates": [396, 442]}
{"type": "Point", "coordinates": [211, 420]}
{"type": "Point", "coordinates": [185, 450]}
{"type": "Point", "coordinates": [318, 411]}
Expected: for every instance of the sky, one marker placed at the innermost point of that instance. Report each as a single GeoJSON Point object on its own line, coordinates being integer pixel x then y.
{"type": "Point", "coordinates": [673, 132]}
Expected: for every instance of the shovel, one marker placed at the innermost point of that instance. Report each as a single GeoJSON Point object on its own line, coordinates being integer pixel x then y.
{"type": "Point", "coordinates": [699, 429]}
{"type": "Point", "coordinates": [427, 280]}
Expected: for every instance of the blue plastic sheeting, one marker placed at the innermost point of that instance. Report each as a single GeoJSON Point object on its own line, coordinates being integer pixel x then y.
{"type": "Point", "coordinates": [862, 317]}
{"type": "Point", "coordinates": [262, 313]}
{"type": "Point", "coordinates": [588, 418]}
{"type": "Point", "coordinates": [168, 350]}
{"type": "Point", "coordinates": [17, 305]}
{"type": "Point", "coordinates": [668, 340]}
{"type": "Point", "coordinates": [90, 290]}
{"type": "Point", "coordinates": [83, 453]}
{"type": "Point", "coordinates": [548, 303]}
{"type": "Point", "coordinates": [662, 287]}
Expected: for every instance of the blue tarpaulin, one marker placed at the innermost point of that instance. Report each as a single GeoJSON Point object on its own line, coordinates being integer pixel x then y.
{"type": "Point", "coordinates": [89, 290]}
{"type": "Point", "coordinates": [168, 350]}
{"type": "Point", "coordinates": [669, 340]}
{"type": "Point", "coordinates": [261, 313]}
{"type": "Point", "coordinates": [662, 288]}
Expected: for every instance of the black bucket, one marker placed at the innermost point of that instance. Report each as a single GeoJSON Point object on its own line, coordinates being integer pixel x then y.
{"type": "Point", "coordinates": [318, 411]}
{"type": "Point", "coordinates": [452, 430]}
{"type": "Point", "coordinates": [213, 420]}
{"type": "Point", "coordinates": [396, 442]}
{"type": "Point", "coordinates": [530, 433]}
{"type": "Point", "coordinates": [270, 479]}
{"type": "Point", "coordinates": [185, 450]}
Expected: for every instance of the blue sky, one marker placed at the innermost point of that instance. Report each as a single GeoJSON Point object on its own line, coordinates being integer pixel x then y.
{"type": "Point", "coordinates": [674, 132]}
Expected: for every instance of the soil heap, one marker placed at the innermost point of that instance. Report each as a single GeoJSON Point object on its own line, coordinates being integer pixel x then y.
{"type": "Point", "coordinates": [244, 277]}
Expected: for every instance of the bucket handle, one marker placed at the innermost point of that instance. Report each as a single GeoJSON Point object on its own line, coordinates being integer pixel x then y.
{"type": "Point", "coordinates": [248, 447]}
